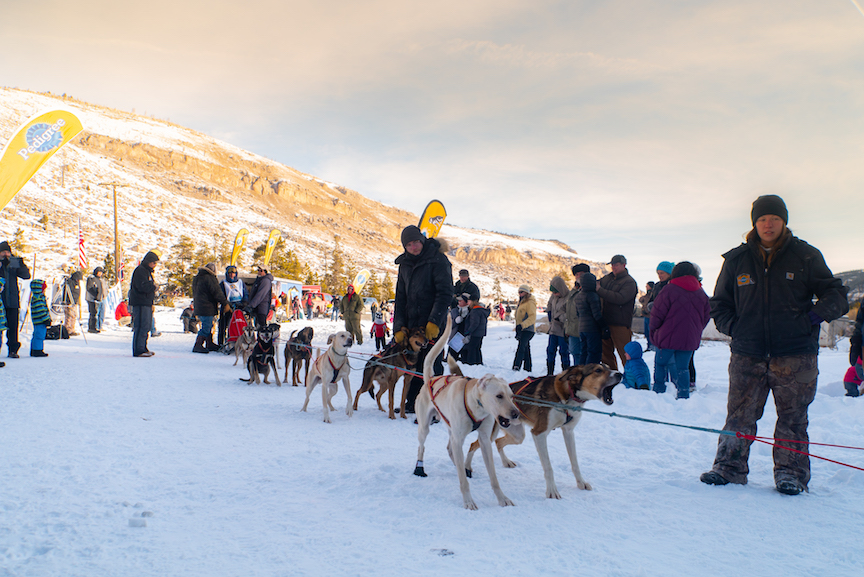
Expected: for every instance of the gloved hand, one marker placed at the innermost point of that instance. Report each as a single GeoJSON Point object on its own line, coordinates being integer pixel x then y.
{"type": "Point", "coordinates": [518, 330]}
{"type": "Point", "coordinates": [432, 331]}
{"type": "Point", "coordinates": [814, 318]}
{"type": "Point", "coordinates": [466, 339]}
{"type": "Point", "coordinates": [401, 335]}
{"type": "Point", "coordinates": [458, 319]}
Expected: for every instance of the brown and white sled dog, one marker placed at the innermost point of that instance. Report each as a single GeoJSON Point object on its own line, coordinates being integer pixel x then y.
{"type": "Point", "coordinates": [574, 387]}
{"type": "Point", "coordinates": [389, 366]}
{"type": "Point", "coordinates": [329, 368]}
{"type": "Point", "coordinates": [464, 405]}
{"type": "Point", "coordinates": [298, 351]}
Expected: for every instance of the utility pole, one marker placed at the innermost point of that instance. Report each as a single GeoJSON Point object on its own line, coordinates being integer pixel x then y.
{"type": "Point", "coordinates": [114, 186]}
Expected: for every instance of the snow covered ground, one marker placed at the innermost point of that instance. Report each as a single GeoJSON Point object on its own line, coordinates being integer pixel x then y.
{"type": "Point", "coordinates": [114, 465]}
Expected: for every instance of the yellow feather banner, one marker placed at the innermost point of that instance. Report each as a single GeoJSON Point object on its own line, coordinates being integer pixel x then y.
{"type": "Point", "coordinates": [360, 280]}
{"type": "Point", "coordinates": [432, 219]}
{"type": "Point", "coordinates": [239, 240]}
{"type": "Point", "coordinates": [31, 147]}
{"type": "Point", "coordinates": [271, 244]}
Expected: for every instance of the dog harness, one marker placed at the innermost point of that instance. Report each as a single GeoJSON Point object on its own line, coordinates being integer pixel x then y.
{"type": "Point", "coordinates": [263, 356]}
{"type": "Point", "coordinates": [334, 367]}
{"type": "Point", "coordinates": [531, 380]}
{"type": "Point", "coordinates": [475, 424]}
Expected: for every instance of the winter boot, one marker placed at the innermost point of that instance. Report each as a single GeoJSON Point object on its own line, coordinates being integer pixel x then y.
{"type": "Point", "coordinates": [211, 346]}
{"type": "Point", "coordinates": [550, 369]}
{"type": "Point", "coordinates": [200, 345]}
{"type": "Point", "coordinates": [39, 353]}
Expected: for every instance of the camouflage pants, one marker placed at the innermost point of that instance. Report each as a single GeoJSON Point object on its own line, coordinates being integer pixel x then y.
{"type": "Point", "coordinates": [792, 381]}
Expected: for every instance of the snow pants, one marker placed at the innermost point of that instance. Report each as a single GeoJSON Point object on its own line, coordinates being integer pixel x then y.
{"type": "Point", "coordinates": [557, 344]}
{"type": "Point", "coordinates": [792, 381]}
{"type": "Point", "coordinates": [12, 343]}
{"type": "Point", "coordinates": [523, 351]}
{"type": "Point", "coordinates": [591, 349]}
{"type": "Point", "coordinates": [620, 337]}
{"type": "Point", "coordinates": [352, 325]}
{"type": "Point", "coordinates": [142, 319]}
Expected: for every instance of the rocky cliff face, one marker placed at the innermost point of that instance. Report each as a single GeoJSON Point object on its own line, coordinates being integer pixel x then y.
{"type": "Point", "coordinates": [183, 182]}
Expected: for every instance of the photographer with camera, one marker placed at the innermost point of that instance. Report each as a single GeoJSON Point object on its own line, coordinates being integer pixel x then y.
{"type": "Point", "coordinates": [11, 269]}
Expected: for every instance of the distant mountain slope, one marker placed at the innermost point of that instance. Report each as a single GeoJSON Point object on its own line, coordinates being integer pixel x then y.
{"type": "Point", "coordinates": [176, 181]}
{"type": "Point", "coordinates": [854, 281]}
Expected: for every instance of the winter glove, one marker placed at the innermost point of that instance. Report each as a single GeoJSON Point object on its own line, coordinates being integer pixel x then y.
{"type": "Point", "coordinates": [466, 339]}
{"type": "Point", "coordinates": [458, 319]}
{"type": "Point", "coordinates": [401, 335]}
{"type": "Point", "coordinates": [814, 318]}
{"type": "Point", "coordinates": [605, 333]}
{"type": "Point", "coordinates": [518, 330]}
{"type": "Point", "coordinates": [432, 330]}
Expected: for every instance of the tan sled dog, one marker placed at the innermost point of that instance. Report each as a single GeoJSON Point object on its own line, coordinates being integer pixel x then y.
{"type": "Point", "coordinates": [574, 387]}
{"type": "Point", "coordinates": [329, 368]}
{"type": "Point", "coordinates": [387, 368]}
{"type": "Point", "coordinates": [464, 405]}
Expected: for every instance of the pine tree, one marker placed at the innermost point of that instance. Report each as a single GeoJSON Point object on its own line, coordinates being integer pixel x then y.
{"type": "Point", "coordinates": [183, 266]}
{"type": "Point", "coordinates": [19, 247]}
{"type": "Point", "coordinates": [108, 269]}
{"type": "Point", "coordinates": [387, 291]}
{"type": "Point", "coordinates": [373, 288]}
{"type": "Point", "coordinates": [496, 291]}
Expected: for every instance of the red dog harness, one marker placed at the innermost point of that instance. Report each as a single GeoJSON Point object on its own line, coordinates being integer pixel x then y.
{"type": "Point", "coordinates": [475, 424]}
{"type": "Point", "coordinates": [334, 367]}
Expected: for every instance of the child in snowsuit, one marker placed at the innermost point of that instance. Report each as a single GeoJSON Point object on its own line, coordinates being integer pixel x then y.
{"type": "Point", "coordinates": [636, 373]}
{"type": "Point", "coordinates": [39, 316]}
{"type": "Point", "coordinates": [852, 380]}
{"type": "Point", "coordinates": [380, 330]}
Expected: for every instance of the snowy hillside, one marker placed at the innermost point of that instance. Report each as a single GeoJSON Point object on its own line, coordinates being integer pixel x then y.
{"type": "Point", "coordinates": [175, 181]}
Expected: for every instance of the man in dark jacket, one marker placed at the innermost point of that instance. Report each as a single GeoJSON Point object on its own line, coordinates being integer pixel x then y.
{"type": "Point", "coordinates": [764, 301]}
{"type": "Point", "coordinates": [424, 290]}
{"type": "Point", "coordinates": [207, 296]}
{"type": "Point", "coordinates": [142, 291]}
{"type": "Point", "coordinates": [11, 269]}
{"type": "Point", "coordinates": [464, 285]}
{"type": "Point", "coordinates": [260, 296]}
{"type": "Point", "coordinates": [71, 300]}
{"type": "Point", "coordinates": [94, 296]}
{"type": "Point", "coordinates": [618, 292]}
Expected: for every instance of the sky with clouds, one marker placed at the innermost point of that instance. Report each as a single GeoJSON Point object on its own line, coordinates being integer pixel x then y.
{"type": "Point", "coordinates": [645, 128]}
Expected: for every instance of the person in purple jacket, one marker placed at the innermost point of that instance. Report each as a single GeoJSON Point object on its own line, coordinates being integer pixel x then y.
{"type": "Point", "coordinates": [678, 317]}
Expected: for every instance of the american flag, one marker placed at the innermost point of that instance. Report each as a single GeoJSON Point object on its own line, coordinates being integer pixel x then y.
{"type": "Point", "coordinates": [82, 256]}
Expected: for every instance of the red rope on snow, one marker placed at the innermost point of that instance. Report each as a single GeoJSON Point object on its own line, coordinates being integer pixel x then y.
{"type": "Point", "coordinates": [741, 435]}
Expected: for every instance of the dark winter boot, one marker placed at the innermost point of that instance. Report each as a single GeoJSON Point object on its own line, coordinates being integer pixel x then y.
{"type": "Point", "coordinates": [550, 369]}
{"type": "Point", "coordinates": [211, 346]}
{"type": "Point", "coordinates": [200, 345]}
{"type": "Point", "coordinates": [39, 353]}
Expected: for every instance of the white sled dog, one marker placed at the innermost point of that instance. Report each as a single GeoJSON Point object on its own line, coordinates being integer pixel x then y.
{"type": "Point", "coordinates": [330, 368]}
{"type": "Point", "coordinates": [465, 405]}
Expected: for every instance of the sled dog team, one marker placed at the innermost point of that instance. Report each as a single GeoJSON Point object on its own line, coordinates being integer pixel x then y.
{"type": "Point", "coordinates": [486, 404]}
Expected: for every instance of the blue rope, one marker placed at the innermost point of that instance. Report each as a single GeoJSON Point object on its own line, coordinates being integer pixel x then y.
{"type": "Point", "coordinates": [563, 407]}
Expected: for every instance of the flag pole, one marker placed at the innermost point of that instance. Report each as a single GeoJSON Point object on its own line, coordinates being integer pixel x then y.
{"type": "Point", "coordinates": [114, 186]}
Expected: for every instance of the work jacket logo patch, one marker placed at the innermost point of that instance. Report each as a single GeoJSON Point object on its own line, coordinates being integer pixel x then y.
{"type": "Point", "coordinates": [745, 279]}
